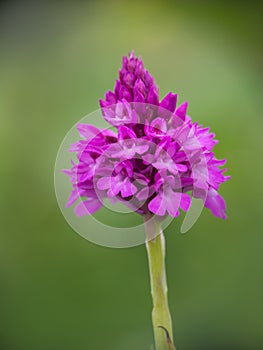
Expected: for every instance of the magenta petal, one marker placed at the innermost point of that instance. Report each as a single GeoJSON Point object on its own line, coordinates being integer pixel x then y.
{"type": "Point", "coordinates": [172, 202]}
{"type": "Point", "coordinates": [157, 206]}
{"type": "Point", "coordinates": [129, 80]}
{"type": "Point", "coordinates": [110, 98]}
{"type": "Point", "coordinates": [141, 146]}
{"type": "Point", "coordinates": [139, 87]}
{"type": "Point", "coordinates": [115, 187]}
{"type": "Point", "coordinates": [128, 189]}
{"type": "Point", "coordinates": [144, 194]}
{"type": "Point", "coordinates": [117, 90]}
{"type": "Point", "coordinates": [125, 133]}
{"type": "Point", "coordinates": [88, 207]}
{"type": "Point", "coordinates": [75, 194]}
{"type": "Point", "coordinates": [124, 93]}
{"type": "Point", "coordinates": [104, 183]}
{"type": "Point", "coordinates": [169, 102]}
{"type": "Point", "coordinates": [215, 203]}
{"type": "Point", "coordinates": [157, 128]}
{"type": "Point", "coordinates": [181, 110]}
{"type": "Point", "coordinates": [153, 96]}
{"type": "Point", "coordinates": [181, 167]}
{"type": "Point", "coordinates": [87, 131]}
{"type": "Point", "coordinates": [185, 201]}
{"type": "Point", "coordinates": [131, 64]}
{"type": "Point", "coordinates": [139, 97]}
{"type": "Point", "coordinates": [102, 103]}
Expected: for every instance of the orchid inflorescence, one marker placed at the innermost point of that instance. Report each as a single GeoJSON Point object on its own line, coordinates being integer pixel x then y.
{"type": "Point", "coordinates": [157, 159]}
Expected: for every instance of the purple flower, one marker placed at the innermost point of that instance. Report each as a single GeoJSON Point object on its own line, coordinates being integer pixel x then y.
{"type": "Point", "coordinates": [155, 162]}
{"type": "Point", "coordinates": [128, 144]}
{"type": "Point", "coordinates": [168, 197]}
{"type": "Point", "coordinates": [120, 181]}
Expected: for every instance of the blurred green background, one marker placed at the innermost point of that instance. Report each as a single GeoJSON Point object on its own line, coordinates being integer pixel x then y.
{"type": "Point", "coordinates": [59, 291]}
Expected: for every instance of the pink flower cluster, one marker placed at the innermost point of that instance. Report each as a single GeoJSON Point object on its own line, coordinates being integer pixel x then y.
{"type": "Point", "coordinates": [156, 161]}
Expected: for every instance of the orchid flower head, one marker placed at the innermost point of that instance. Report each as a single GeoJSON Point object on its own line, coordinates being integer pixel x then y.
{"type": "Point", "coordinates": [155, 161]}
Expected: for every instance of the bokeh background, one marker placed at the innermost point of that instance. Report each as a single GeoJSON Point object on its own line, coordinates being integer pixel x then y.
{"type": "Point", "coordinates": [59, 291]}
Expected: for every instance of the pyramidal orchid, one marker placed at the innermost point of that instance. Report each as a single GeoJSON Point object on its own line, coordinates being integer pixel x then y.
{"type": "Point", "coordinates": [155, 162]}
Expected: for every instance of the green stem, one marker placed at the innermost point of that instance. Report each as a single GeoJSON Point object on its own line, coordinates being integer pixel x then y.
{"type": "Point", "coordinates": [155, 245]}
